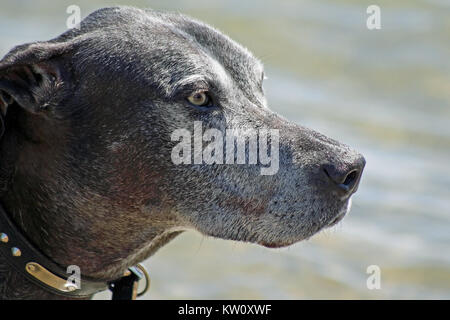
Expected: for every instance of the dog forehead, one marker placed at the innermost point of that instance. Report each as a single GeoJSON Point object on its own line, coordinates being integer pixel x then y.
{"type": "Point", "coordinates": [227, 52]}
{"type": "Point", "coordinates": [161, 48]}
{"type": "Point", "coordinates": [194, 39]}
{"type": "Point", "coordinates": [178, 31]}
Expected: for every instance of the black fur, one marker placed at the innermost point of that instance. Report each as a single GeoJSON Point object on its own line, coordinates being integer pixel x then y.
{"type": "Point", "coordinates": [85, 160]}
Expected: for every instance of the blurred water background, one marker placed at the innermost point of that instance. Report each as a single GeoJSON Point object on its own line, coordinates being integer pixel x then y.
{"type": "Point", "coordinates": [385, 92]}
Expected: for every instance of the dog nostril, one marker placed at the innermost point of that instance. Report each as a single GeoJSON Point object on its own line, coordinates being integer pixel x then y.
{"type": "Point", "coordinates": [350, 180]}
{"type": "Point", "coordinates": [343, 180]}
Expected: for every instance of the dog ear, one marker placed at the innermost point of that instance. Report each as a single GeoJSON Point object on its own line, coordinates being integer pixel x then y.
{"type": "Point", "coordinates": [31, 75]}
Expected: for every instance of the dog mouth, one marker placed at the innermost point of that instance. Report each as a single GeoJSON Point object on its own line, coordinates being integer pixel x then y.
{"type": "Point", "coordinates": [335, 220]}
{"type": "Point", "coordinates": [340, 215]}
{"type": "Point", "coordinates": [276, 245]}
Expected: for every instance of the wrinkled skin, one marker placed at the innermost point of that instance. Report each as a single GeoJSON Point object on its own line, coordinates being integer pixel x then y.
{"type": "Point", "coordinates": [86, 168]}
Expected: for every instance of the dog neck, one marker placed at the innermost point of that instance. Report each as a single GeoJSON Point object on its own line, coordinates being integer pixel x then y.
{"type": "Point", "coordinates": [13, 285]}
{"type": "Point", "coordinates": [102, 251]}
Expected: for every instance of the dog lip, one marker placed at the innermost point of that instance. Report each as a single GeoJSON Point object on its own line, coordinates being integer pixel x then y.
{"type": "Point", "coordinates": [340, 214]}
{"type": "Point", "coordinates": [276, 245]}
{"type": "Point", "coordinates": [337, 218]}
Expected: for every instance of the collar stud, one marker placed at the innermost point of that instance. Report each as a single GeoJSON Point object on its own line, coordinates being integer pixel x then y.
{"type": "Point", "coordinates": [16, 252]}
{"type": "Point", "coordinates": [4, 237]}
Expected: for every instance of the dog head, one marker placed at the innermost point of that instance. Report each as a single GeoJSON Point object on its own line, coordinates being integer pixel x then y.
{"type": "Point", "coordinates": [132, 120]}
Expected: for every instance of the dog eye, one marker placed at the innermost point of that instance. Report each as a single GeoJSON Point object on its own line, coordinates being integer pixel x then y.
{"type": "Point", "coordinates": [200, 98]}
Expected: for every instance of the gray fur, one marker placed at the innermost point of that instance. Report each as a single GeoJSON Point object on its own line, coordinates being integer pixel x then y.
{"type": "Point", "coordinates": [85, 160]}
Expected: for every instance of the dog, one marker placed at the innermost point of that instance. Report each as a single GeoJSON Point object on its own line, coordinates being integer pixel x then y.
{"type": "Point", "coordinates": [86, 156]}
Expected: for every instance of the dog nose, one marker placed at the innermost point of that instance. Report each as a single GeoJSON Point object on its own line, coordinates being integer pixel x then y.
{"type": "Point", "coordinates": [345, 178]}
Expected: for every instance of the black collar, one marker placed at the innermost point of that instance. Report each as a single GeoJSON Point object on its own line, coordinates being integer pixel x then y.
{"type": "Point", "coordinates": [25, 259]}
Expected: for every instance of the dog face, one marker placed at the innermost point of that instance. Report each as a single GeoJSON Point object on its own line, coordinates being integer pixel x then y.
{"type": "Point", "coordinates": [97, 109]}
